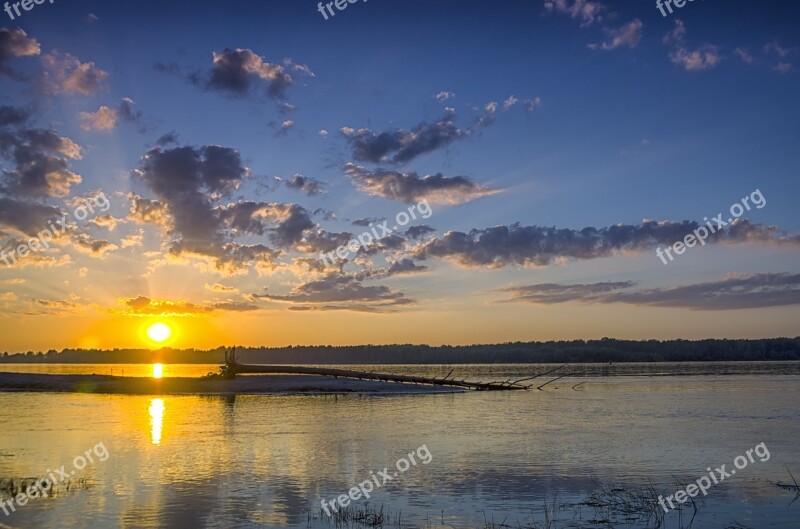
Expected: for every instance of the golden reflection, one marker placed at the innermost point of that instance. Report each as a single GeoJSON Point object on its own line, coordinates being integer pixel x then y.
{"type": "Point", "coordinates": [158, 370]}
{"type": "Point", "coordinates": [156, 420]}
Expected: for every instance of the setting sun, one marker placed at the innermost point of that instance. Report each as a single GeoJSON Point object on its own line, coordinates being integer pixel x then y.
{"type": "Point", "coordinates": [159, 332]}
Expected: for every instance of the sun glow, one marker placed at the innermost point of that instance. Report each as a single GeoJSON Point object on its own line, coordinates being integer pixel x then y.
{"type": "Point", "coordinates": [159, 332]}
{"type": "Point", "coordinates": [158, 370]}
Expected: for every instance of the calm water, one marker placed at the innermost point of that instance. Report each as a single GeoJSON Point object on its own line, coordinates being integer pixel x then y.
{"type": "Point", "coordinates": [267, 461]}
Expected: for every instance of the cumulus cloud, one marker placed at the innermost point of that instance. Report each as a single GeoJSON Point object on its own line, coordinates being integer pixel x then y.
{"type": "Point", "coordinates": [444, 96]}
{"type": "Point", "coordinates": [242, 73]}
{"type": "Point", "coordinates": [15, 43]}
{"type": "Point", "coordinates": [517, 245]}
{"type": "Point", "coordinates": [587, 11]}
{"type": "Point", "coordinates": [410, 187]}
{"type": "Point", "coordinates": [65, 74]}
{"type": "Point", "coordinates": [735, 291]}
{"type": "Point", "coordinates": [190, 184]}
{"type": "Point", "coordinates": [39, 162]}
{"type": "Point", "coordinates": [105, 118]}
{"type": "Point", "coordinates": [399, 146]}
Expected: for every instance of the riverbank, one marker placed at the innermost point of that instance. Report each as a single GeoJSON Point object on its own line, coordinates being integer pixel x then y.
{"type": "Point", "coordinates": [241, 385]}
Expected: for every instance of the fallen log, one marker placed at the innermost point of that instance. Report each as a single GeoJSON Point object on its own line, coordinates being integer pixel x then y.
{"type": "Point", "coordinates": [232, 368]}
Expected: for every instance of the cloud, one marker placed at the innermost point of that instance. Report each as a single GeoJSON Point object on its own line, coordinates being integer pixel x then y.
{"type": "Point", "coordinates": [105, 118]}
{"type": "Point", "coordinates": [777, 49]}
{"type": "Point", "coordinates": [735, 291]}
{"type": "Point", "coordinates": [365, 222]}
{"type": "Point", "coordinates": [217, 287]}
{"type": "Point", "coordinates": [416, 232]}
{"type": "Point", "coordinates": [510, 102]}
{"type": "Point", "coordinates": [91, 18]}
{"type": "Point", "coordinates": [144, 306]}
{"type": "Point", "coordinates": [91, 246]}
{"type": "Point", "coordinates": [242, 73]}
{"type": "Point", "coordinates": [444, 96]}
{"type": "Point", "coordinates": [551, 293]}
{"type": "Point", "coordinates": [399, 146]}
{"type": "Point", "coordinates": [744, 55]}
{"type": "Point", "coordinates": [285, 126]}
{"type": "Point", "coordinates": [629, 35]}
{"type": "Point", "coordinates": [588, 12]}
{"type": "Point", "coordinates": [705, 57]}
{"type": "Point", "coordinates": [783, 67]}
{"type": "Point", "coordinates": [13, 116]}
{"type": "Point", "coordinates": [190, 184]}
{"type": "Point", "coordinates": [410, 187]}
{"type": "Point", "coordinates": [25, 217]}
{"type": "Point", "coordinates": [15, 43]}
{"type": "Point", "coordinates": [323, 133]}
{"type": "Point", "coordinates": [517, 245]}
{"type": "Point", "coordinates": [309, 186]}
{"type": "Point", "coordinates": [40, 163]}
{"type": "Point", "coordinates": [65, 74]}
{"type": "Point", "coordinates": [341, 292]}
{"type": "Point", "coordinates": [532, 104]}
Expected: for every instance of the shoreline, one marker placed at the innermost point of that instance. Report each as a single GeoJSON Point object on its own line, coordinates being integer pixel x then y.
{"type": "Point", "coordinates": [241, 385]}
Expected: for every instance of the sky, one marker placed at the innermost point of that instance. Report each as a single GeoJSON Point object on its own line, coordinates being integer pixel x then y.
{"type": "Point", "coordinates": [439, 172]}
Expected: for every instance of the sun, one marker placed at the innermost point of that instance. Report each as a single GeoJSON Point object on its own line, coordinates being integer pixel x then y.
{"type": "Point", "coordinates": [159, 332]}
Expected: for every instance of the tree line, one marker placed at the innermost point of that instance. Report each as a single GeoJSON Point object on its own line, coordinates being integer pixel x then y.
{"type": "Point", "coordinates": [574, 351]}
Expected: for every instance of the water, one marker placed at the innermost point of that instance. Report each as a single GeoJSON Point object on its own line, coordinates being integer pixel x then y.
{"type": "Point", "coordinates": [268, 461]}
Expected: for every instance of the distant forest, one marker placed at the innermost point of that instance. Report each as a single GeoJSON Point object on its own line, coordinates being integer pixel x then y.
{"type": "Point", "coordinates": [576, 351]}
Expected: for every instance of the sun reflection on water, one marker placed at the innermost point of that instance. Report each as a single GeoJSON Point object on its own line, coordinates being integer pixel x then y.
{"type": "Point", "coordinates": [156, 420]}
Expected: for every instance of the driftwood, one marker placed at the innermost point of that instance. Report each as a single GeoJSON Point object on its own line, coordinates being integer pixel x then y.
{"type": "Point", "coordinates": [233, 368]}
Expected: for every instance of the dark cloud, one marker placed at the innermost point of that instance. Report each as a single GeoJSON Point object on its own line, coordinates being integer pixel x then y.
{"type": "Point", "coordinates": [13, 116]}
{"type": "Point", "coordinates": [550, 293]}
{"type": "Point", "coordinates": [167, 139]}
{"type": "Point", "coordinates": [341, 292]}
{"type": "Point", "coordinates": [190, 184]}
{"type": "Point", "coordinates": [736, 291]}
{"type": "Point", "coordinates": [26, 217]}
{"type": "Point", "coordinates": [15, 43]}
{"type": "Point", "coordinates": [400, 146]}
{"type": "Point", "coordinates": [307, 185]}
{"type": "Point", "coordinates": [40, 161]}
{"type": "Point", "coordinates": [410, 187]}
{"type": "Point", "coordinates": [416, 232]}
{"type": "Point", "coordinates": [241, 73]}
{"type": "Point", "coordinates": [365, 222]}
{"type": "Point", "coordinates": [536, 245]}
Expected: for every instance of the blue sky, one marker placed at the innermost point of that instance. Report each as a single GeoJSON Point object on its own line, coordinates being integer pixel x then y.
{"type": "Point", "coordinates": [565, 114]}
